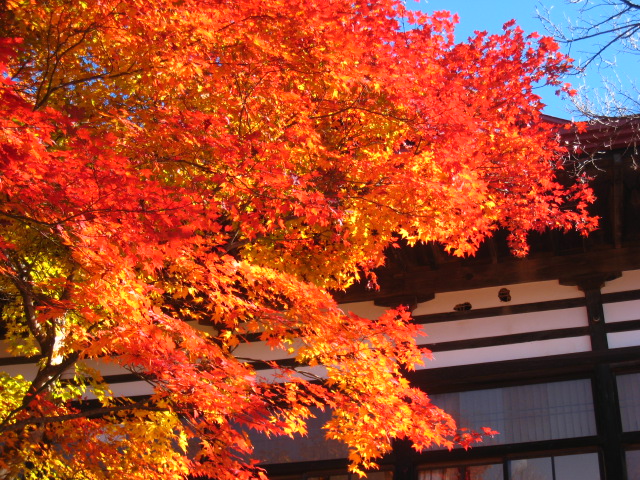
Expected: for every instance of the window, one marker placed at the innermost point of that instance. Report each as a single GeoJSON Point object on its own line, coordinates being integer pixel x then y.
{"type": "Point", "coordinates": [633, 464]}
{"type": "Point", "coordinates": [312, 447]}
{"type": "Point", "coordinates": [629, 397]}
{"type": "Point", "coordinates": [525, 413]}
{"type": "Point", "coordinates": [465, 472]}
{"type": "Point", "coordinates": [584, 466]}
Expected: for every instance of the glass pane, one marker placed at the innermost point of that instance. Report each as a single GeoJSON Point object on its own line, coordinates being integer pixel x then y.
{"type": "Point", "coordinates": [526, 413]}
{"type": "Point", "coordinates": [633, 464]}
{"type": "Point", "coordinates": [485, 472]}
{"type": "Point", "coordinates": [629, 397]}
{"type": "Point", "coordinates": [531, 469]}
{"type": "Point", "coordinates": [313, 446]}
{"type": "Point", "coordinates": [578, 467]}
{"type": "Point", "coordinates": [440, 474]}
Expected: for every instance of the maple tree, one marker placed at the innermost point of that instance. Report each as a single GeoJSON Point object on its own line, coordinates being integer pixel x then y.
{"type": "Point", "coordinates": [168, 163]}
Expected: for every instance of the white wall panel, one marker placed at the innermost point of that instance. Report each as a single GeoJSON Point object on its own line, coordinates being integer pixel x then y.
{"type": "Point", "coordinates": [488, 297]}
{"type": "Point", "coordinates": [262, 351]}
{"type": "Point", "coordinates": [623, 339]}
{"type": "Point", "coordinates": [106, 368]}
{"type": "Point", "coordinates": [629, 280]}
{"type": "Point", "coordinates": [541, 348]}
{"type": "Point", "coordinates": [128, 389]}
{"type": "Point", "coordinates": [479, 298]}
{"type": "Point", "coordinates": [504, 325]}
{"type": "Point", "coordinates": [621, 311]}
{"type": "Point", "coordinates": [28, 370]}
{"type": "Point", "coordinates": [4, 349]}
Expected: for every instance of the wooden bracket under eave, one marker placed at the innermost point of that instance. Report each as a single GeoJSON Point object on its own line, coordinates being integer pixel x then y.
{"type": "Point", "coordinates": [410, 301]}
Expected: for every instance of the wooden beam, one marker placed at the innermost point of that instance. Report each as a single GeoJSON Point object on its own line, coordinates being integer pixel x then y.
{"type": "Point", "coordinates": [468, 275]}
{"type": "Point", "coordinates": [617, 200]}
{"type": "Point", "coordinates": [519, 371]}
{"type": "Point", "coordinates": [591, 285]}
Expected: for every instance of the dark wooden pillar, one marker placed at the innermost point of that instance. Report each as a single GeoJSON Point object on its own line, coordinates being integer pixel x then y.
{"type": "Point", "coordinates": [617, 200]}
{"type": "Point", "coordinates": [404, 463]}
{"type": "Point", "coordinates": [609, 425]}
{"type": "Point", "coordinates": [605, 391]}
{"type": "Point", "coordinates": [590, 285]}
{"type": "Point", "coordinates": [595, 313]}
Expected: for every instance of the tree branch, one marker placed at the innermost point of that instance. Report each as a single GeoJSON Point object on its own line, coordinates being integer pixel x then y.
{"type": "Point", "coordinates": [96, 412]}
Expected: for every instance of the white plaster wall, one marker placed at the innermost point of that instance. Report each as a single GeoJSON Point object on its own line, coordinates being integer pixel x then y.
{"type": "Point", "coordinates": [28, 371]}
{"type": "Point", "coordinates": [542, 348]}
{"type": "Point", "coordinates": [621, 311]}
{"type": "Point", "coordinates": [623, 339]}
{"type": "Point", "coordinates": [478, 298]}
{"type": "Point", "coordinates": [4, 349]}
{"type": "Point", "coordinates": [128, 389]}
{"type": "Point", "coordinates": [629, 280]}
{"type": "Point", "coordinates": [488, 297]}
{"type": "Point", "coordinates": [263, 351]}
{"type": "Point", "coordinates": [504, 325]}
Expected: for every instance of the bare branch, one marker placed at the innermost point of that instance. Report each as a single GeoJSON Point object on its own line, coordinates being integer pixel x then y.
{"type": "Point", "coordinates": [603, 29]}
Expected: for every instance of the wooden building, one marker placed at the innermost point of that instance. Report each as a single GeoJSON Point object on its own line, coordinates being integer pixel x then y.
{"type": "Point", "coordinates": [544, 349]}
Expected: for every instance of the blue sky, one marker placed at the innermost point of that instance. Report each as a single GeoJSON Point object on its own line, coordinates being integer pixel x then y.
{"type": "Point", "coordinates": [490, 15]}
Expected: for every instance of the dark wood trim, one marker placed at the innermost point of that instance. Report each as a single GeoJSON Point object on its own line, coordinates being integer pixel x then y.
{"type": "Point", "coordinates": [468, 275]}
{"type": "Point", "coordinates": [91, 404]}
{"type": "Point", "coordinates": [624, 296]}
{"type": "Point", "coordinates": [111, 379]}
{"type": "Point", "coordinates": [630, 439]}
{"type": "Point", "coordinates": [500, 311]}
{"type": "Point", "coordinates": [404, 467]}
{"type": "Point", "coordinates": [510, 451]}
{"type": "Point", "coordinates": [595, 313]}
{"type": "Point", "coordinates": [617, 199]}
{"type": "Point", "coordinates": [301, 468]}
{"type": "Point", "coordinates": [608, 422]}
{"type": "Point", "coordinates": [6, 361]}
{"type": "Point", "coordinates": [521, 371]}
{"type": "Point", "coordinates": [410, 301]}
{"type": "Point", "coordinates": [627, 326]}
{"type": "Point", "coordinates": [123, 378]}
{"type": "Point", "coordinates": [507, 339]}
